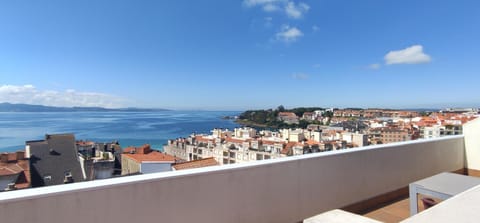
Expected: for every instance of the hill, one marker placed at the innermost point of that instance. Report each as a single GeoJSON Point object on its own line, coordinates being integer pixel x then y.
{"type": "Point", "coordinates": [9, 107]}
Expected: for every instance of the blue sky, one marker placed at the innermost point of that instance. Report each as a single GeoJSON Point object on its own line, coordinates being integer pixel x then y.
{"type": "Point", "coordinates": [235, 55]}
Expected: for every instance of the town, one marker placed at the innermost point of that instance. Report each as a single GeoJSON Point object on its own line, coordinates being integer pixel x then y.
{"type": "Point", "coordinates": [348, 128]}
{"type": "Point", "coordinates": [62, 159]}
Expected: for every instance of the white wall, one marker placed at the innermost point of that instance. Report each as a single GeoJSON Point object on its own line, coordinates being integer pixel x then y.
{"type": "Point", "coordinates": [280, 190]}
{"type": "Point", "coordinates": [471, 131]}
{"type": "Point", "coordinates": [147, 167]}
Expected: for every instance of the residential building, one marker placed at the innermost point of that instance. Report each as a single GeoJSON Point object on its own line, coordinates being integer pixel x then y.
{"type": "Point", "coordinates": [99, 160]}
{"type": "Point", "coordinates": [288, 117]}
{"type": "Point", "coordinates": [54, 160]}
{"type": "Point", "coordinates": [144, 160]}
{"type": "Point", "coordinates": [318, 113]}
{"type": "Point", "coordinates": [226, 149]}
{"type": "Point", "coordinates": [245, 132]}
{"type": "Point", "coordinates": [310, 116]}
{"type": "Point", "coordinates": [14, 171]}
{"type": "Point", "coordinates": [389, 135]}
{"type": "Point", "coordinates": [428, 132]}
{"type": "Point", "coordinates": [359, 140]}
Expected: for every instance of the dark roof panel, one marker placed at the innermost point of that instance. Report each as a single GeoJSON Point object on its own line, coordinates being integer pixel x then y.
{"type": "Point", "coordinates": [54, 158]}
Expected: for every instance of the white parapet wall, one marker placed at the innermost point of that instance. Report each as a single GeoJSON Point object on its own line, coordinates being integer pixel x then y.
{"type": "Point", "coordinates": [471, 131]}
{"type": "Point", "coordinates": [282, 190]}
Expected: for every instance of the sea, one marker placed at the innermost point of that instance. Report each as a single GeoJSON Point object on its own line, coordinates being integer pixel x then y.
{"type": "Point", "coordinates": [128, 128]}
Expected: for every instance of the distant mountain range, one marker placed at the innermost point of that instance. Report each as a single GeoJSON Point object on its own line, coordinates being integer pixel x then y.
{"type": "Point", "coordinates": [8, 107]}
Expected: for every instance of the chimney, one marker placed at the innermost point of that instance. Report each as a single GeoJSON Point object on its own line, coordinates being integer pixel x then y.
{"type": "Point", "coordinates": [20, 155]}
{"type": "Point", "coordinates": [4, 157]}
{"type": "Point", "coordinates": [145, 149]}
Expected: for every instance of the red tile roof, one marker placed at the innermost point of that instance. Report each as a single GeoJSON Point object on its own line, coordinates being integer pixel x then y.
{"type": "Point", "coordinates": [138, 150]}
{"type": "Point", "coordinates": [312, 142]}
{"type": "Point", "coordinates": [202, 139]}
{"type": "Point", "coordinates": [235, 140]}
{"type": "Point", "coordinates": [270, 142]}
{"type": "Point", "coordinates": [146, 154]}
{"type": "Point", "coordinates": [289, 146]}
{"type": "Point", "coordinates": [196, 164]}
{"type": "Point", "coordinates": [153, 156]}
{"type": "Point", "coordinates": [17, 166]}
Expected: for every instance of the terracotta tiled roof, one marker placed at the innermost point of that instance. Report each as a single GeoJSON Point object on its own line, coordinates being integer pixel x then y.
{"type": "Point", "coordinates": [202, 139]}
{"type": "Point", "coordinates": [235, 140]}
{"type": "Point", "coordinates": [153, 156]}
{"type": "Point", "coordinates": [269, 142]}
{"type": "Point", "coordinates": [288, 147]}
{"type": "Point", "coordinates": [196, 164]}
{"type": "Point", "coordinates": [312, 142]}
{"type": "Point", "coordinates": [5, 171]}
{"type": "Point", "coordinates": [138, 150]}
{"type": "Point", "coordinates": [14, 166]}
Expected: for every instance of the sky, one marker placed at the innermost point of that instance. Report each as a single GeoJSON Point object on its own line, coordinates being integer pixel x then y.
{"type": "Point", "coordinates": [238, 55]}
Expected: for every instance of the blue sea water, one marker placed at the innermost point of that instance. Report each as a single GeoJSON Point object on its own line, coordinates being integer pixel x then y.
{"type": "Point", "coordinates": [129, 128]}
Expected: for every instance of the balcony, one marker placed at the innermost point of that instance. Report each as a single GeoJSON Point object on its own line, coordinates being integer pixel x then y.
{"type": "Point", "coordinates": [280, 190]}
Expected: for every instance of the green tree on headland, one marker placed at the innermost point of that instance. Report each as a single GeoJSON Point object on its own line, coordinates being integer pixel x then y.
{"type": "Point", "coordinates": [269, 118]}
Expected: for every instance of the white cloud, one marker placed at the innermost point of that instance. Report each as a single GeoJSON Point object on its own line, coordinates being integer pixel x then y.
{"type": "Point", "coordinates": [290, 8]}
{"type": "Point", "coordinates": [315, 28]}
{"type": "Point", "coordinates": [251, 3]}
{"type": "Point", "coordinates": [296, 11]}
{"type": "Point", "coordinates": [270, 7]}
{"type": "Point", "coordinates": [288, 34]}
{"type": "Point", "coordinates": [28, 94]}
{"type": "Point", "coordinates": [300, 76]}
{"type": "Point", "coordinates": [409, 55]}
{"type": "Point", "coordinates": [374, 66]}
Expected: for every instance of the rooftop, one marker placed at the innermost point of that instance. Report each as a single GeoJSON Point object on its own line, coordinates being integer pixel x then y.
{"type": "Point", "coordinates": [14, 168]}
{"type": "Point", "coordinates": [146, 154]}
{"type": "Point", "coordinates": [47, 155]}
{"type": "Point", "coordinates": [196, 164]}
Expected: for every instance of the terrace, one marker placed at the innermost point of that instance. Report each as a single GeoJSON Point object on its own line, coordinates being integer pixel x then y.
{"type": "Point", "coordinates": [280, 190]}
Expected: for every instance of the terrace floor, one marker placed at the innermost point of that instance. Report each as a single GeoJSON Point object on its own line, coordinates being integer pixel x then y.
{"type": "Point", "coordinates": [395, 211]}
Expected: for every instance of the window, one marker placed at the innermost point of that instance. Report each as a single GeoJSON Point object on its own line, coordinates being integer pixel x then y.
{"type": "Point", "coordinates": [259, 157]}
{"type": "Point", "coordinates": [47, 178]}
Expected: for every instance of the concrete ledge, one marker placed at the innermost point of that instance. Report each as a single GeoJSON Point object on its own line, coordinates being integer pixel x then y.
{"type": "Point", "coordinates": [282, 190]}
{"type": "Point", "coordinates": [339, 216]}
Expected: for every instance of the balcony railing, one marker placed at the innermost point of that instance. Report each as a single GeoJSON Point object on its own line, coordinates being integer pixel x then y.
{"type": "Point", "coordinates": [279, 190]}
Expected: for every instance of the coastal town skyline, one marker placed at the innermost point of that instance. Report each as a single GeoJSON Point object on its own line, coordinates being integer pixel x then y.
{"type": "Point", "coordinates": [240, 55]}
